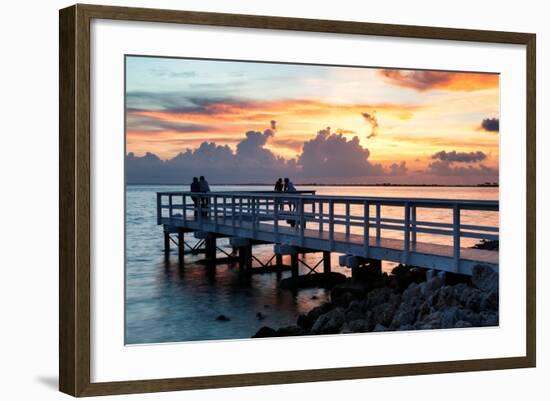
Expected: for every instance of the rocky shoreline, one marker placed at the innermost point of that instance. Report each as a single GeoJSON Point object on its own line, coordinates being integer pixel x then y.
{"type": "Point", "coordinates": [409, 298]}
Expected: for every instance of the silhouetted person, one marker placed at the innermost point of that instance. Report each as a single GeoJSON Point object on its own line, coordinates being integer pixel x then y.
{"type": "Point", "coordinates": [279, 185]}
{"type": "Point", "coordinates": [289, 187]}
{"type": "Point", "coordinates": [204, 188]}
{"type": "Point", "coordinates": [195, 187]}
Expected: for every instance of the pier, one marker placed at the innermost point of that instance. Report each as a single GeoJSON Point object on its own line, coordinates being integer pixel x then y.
{"type": "Point", "coordinates": [303, 222]}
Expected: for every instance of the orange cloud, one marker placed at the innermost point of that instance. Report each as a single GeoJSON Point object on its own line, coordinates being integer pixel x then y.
{"type": "Point", "coordinates": [430, 80]}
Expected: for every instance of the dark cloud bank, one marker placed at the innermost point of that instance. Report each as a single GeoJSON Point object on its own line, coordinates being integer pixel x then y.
{"type": "Point", "coordinates": [327, 156]}
{"type": "Point", "coordinates": [490, 125]}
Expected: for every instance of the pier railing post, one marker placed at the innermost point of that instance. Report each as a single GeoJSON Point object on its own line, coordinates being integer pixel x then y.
{"type": "Point", "coordinates": [184, 211]}
{"type": "Point", "coordinates": [301, 220]}
{"type": "Point", "coordinates": [378, 222]}
{"type": "Point", "coordinates": [407, 234]}
{"type": "Point", "coordinates": [348, 220]}
{"type": "Point", "coordinates": [456, 237]}
{"type": "Point", "coordinates": [159, 208]}
{"type": "Point", "coordinates": [366, 228]}
{"type": "Point", "coordinates": [331, 224]}
{"type": "Point", "coordinates": [321, 216]}
{"type": "Point", "coordinates": [215, 213]}
{"type": "Point", "coordinates": [413, 226]}
{"type": "Point", "coordinates": [170, 210]}
{"type": "Point", "coordinates": [276, 220]}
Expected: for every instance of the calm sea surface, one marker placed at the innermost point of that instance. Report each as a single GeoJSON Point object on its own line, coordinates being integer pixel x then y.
{"type": "Point", "coordinates": [167, 304]}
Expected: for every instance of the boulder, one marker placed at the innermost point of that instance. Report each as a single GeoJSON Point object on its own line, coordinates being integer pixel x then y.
{"type": "Point", "coordinates": [264, 332]}
{"type": "Point", "coordinates": [290, 331]}
{"type": "Point", "coordinates": [378, 296]}
{"type": "Point", "coordinates": [488, 319]}
{"type": "Point", "coordinates": [355, 326]}
{"type": "Point", "coordinates": [489, 302]}
{"type": "Point", "coordinates": [383, 313]}
{"type": "Point", "coordinates": [484, 278]}
{"type": "Point", "coordinates": [405, 315]}
{"type": "Point", "coordinates": [330, 322]}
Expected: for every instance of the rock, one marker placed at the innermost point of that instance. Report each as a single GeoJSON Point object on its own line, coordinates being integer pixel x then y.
{"type": "Point", "coordinates": [405, 315]}
{"type": "Point", "coordinates": [443, 298]}
{"type": "Point", "coordinates": [379, 328]}
{"type": "Point", "coordinates": [265, 331]}
{"type": "Point", "coordinates": [491, 245]}
{"type": "Point", "coordinates": [307, 321]}
{"type": "Point", "coordinates": [355, 326]}
{"type": "Point", "coordinates": [355, 289]}
{"type": "Point", "coordinates": [378, 296]}
{"type": "Point", "coordinates": [406, 327]}
{"type": "Point", "coordinates": [489, 302]}
{"type": "Point", "coordinates": [342, 299]}
{"type": "Point", "coordinates": [330, 322]}
{"type": "Point", "coordinates": [488, 319]}
{"type": "Point", "coordinates": [290, 331]}
{"type": "Point", "coordinates": [222, 318]}
{"type": "Point", "coordinates": [484, 278]}
{"type": "Point", "coordinates": [260, 316]}
{"type": "Point", "coordinates": [462, 324]}
{"type": "Point", "coordinates": [383, 313]}
{"type": "Point", "coordinates": [449, 317]}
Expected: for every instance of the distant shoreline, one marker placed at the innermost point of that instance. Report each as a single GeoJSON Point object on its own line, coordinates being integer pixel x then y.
{"type": "Point", "coordinates": [336, 185]}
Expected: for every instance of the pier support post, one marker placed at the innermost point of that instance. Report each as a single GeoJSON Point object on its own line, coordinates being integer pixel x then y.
{"type": "Point", "coordinates": [166, 243]}
{"type": "Point", "coordinates": [375, 265]}
{"type": "Point", "coordinates": [326, 262]}
{"type": "Point", "coordinates": [294, 264]}
{"type": "Point", "coordinates": [181, 247]}
{"type": "Point", "coordinates": [245, 257]}
{"type": "Point", "coordinates": [210, 249]}
{"type": "Point", "coordinates": [279, 260]}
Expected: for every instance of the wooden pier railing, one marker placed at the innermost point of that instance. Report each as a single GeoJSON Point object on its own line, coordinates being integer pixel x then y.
{"type": "Point", "coordinates": [346, 224]}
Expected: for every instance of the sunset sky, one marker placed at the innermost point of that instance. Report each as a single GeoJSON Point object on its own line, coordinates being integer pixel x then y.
{"type": "Point", "coordinates": [386, 125]}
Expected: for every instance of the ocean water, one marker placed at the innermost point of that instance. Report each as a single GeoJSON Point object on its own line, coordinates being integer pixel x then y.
{"type": "Point", "coordinates": [166, 303]}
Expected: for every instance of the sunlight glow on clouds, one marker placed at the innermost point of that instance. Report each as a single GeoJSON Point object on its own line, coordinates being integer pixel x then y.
{"type": "Point", "coordinates": [386, 125]}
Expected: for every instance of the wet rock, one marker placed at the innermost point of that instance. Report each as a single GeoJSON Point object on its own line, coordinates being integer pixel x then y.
{"type": "Point", "coordinates": [378, 296]}
{"type": "Point", "coordinates": [488, 319]}
{"type": "Point", "coordinates": [449, 317]}
{"type": "Point", "coordinates": [342, 299]}
{"type": "Point", "coordinates": [355, 289]}
{"type": "Point", "coordinates": [222, 318]}
{"type": "Point", "coordinates": [484, 278]}
{"type": "Point", "coordinates": [290, 331]}
{"type": "Point", "coordinates": [379, 328]}
{"type": "Point", "coordinates": [264, 332]}
{"type": "Point", "coordinates": [462, 324]}
{"type": "Point", "coordinates": [405, 315]}
{"type": "Point", "coordinates": [330, 322]}
{"type": "Point", "coordinates": [383, 314]}
{"type": "Point", "coordinates": [355, 326]}
{"type": "Point", "coordinates": [306, 321]}
{"type": "Point", "coordinates": [489, 302]}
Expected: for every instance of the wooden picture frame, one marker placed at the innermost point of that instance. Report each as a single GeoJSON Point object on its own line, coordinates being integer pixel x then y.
{"type": "Point", "coordinates": [75, 207]}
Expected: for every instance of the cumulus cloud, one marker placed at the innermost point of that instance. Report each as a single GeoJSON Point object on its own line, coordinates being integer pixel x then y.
{"type": "Point", "coordinates": [460, 157]}
{"type": "Point", "coordinates": [490, 124]}
{"type": "Point", "coordinates": [325, 156]}
{"type": "Point", "coordinates": [333, 155]}
{"type": "Point", "coordinates": [371, 119]}
{"type": "Point", "coordinates": [398, 169]}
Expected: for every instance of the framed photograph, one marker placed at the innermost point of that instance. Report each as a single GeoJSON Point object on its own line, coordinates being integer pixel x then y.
{"type": "Point", "coordinates": [249, 200]}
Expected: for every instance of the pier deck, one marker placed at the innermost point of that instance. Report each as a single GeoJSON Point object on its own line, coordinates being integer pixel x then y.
{"type": "Point", "coordinates": [347, 225]}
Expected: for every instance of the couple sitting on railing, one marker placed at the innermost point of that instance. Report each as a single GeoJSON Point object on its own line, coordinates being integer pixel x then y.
{"type": "Point", "coordinates": [287, 186]}
{"type": "Point", "coordinates": [200, 185]}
